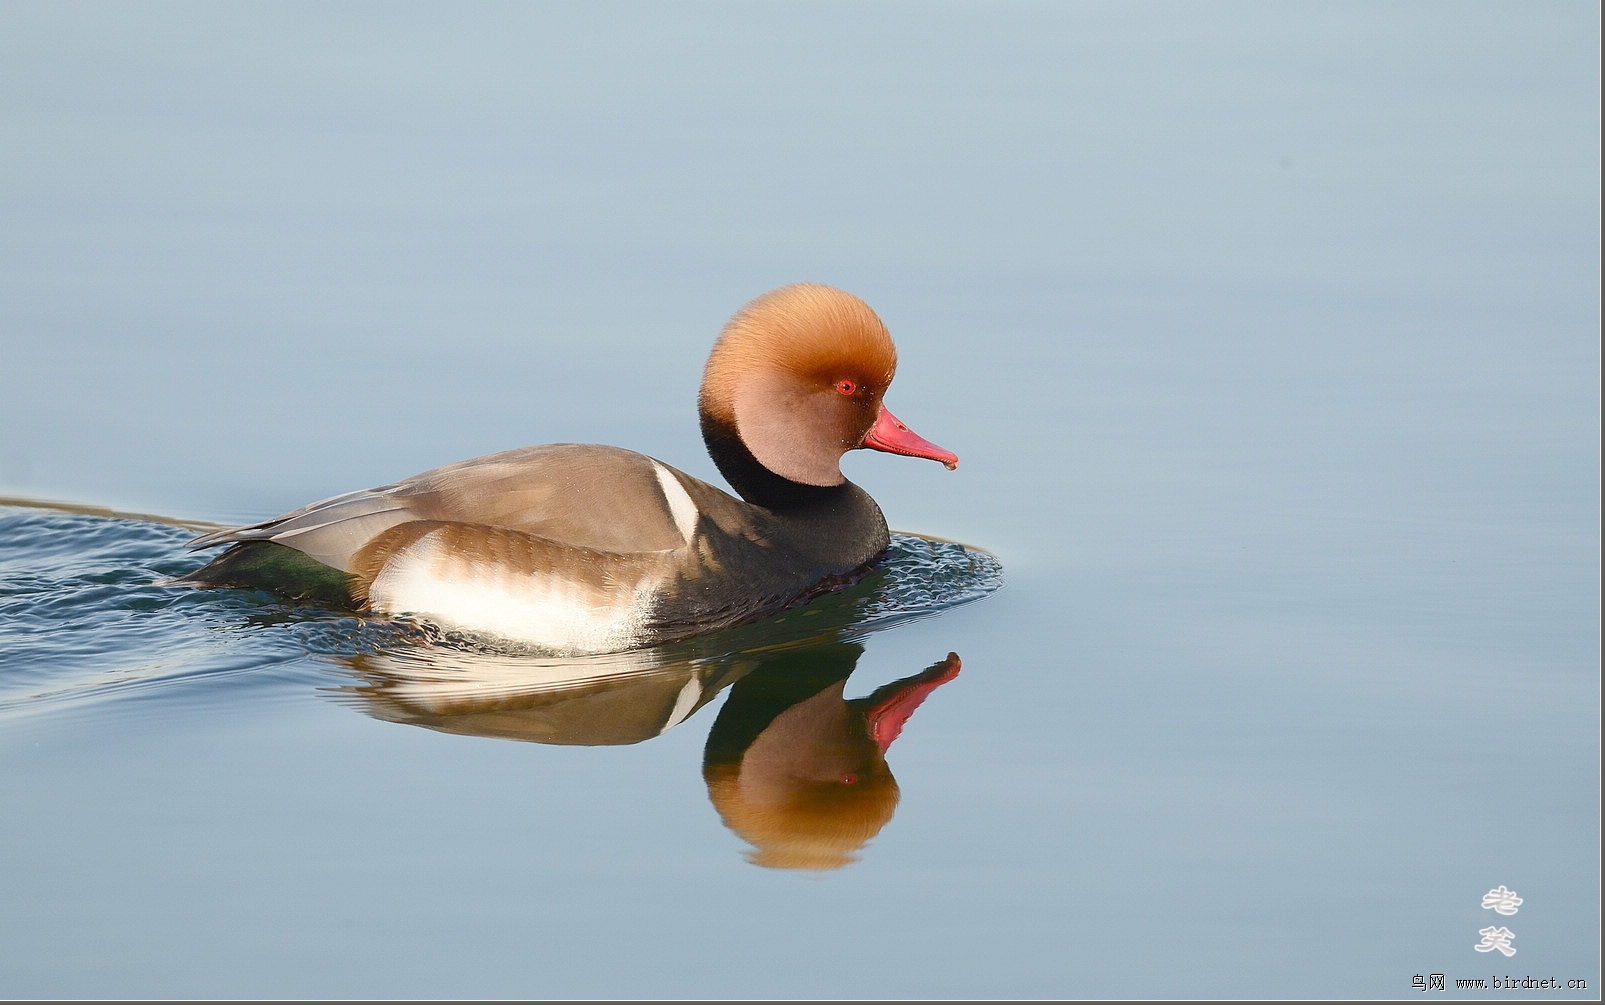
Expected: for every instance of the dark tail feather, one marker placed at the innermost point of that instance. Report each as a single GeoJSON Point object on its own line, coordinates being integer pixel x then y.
{"type": "Point", "coordinates": [264, 565]}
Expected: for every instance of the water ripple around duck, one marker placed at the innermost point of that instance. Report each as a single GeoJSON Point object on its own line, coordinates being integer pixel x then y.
{"type": "Point", "coordinates": [87, 615]}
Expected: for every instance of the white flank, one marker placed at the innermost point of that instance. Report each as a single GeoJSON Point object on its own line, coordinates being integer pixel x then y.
{"type": "Point", "coordinates": [681, 507]}
{"type": "Point", "coordinates": [540, 609]}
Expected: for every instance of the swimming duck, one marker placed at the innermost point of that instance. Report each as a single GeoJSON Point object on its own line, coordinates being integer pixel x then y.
{"type": "Point", "coordinates": [582, 548]}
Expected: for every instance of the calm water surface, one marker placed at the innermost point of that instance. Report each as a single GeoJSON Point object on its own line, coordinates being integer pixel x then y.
{"type": "Point", "coordinates": [1269, 338]}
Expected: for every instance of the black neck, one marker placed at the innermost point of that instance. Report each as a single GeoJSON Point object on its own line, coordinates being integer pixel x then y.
{"type": "Point", "coordinates": [751, 480]}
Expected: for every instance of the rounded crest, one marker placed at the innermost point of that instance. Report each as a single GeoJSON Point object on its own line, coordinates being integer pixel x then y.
{"type": "Point", "coordinates": [808, 331]}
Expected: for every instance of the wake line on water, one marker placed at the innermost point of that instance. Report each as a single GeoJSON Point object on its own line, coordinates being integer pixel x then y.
{"type": "Point", "coordinates": [84, 509]}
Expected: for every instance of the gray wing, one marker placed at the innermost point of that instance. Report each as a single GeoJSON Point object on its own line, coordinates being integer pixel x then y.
{"type": "Point", "coordinates": [583, 495]}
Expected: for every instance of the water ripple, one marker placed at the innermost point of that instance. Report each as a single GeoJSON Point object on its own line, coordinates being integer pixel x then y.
{"type": "Point", "coordinates": [86, 613]}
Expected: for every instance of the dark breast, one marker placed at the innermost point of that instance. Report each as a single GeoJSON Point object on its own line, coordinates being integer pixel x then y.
{"type": "Point", "coordinates": [748, 561]}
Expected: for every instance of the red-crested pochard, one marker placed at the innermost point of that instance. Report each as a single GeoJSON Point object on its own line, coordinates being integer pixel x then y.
{"type": "Point", "coordinates": [577, 548]}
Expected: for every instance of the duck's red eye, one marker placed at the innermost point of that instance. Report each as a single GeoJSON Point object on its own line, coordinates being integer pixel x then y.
{"type": "Point", "coordinates": [846, 386]}
{"type": "Point", "coordinates": [849, 779]}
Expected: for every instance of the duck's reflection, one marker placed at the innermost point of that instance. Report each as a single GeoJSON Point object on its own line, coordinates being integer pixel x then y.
{"type": "Point", "coordinates": [797, 769]}
{"type": "Point", "coordinates": [591, 702]}
{"type": "Point", "coordinates": [792, 765]}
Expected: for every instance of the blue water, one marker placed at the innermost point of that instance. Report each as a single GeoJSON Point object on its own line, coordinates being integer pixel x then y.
{"type": "Point", "coordinates": [1267, 334]}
